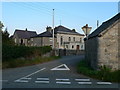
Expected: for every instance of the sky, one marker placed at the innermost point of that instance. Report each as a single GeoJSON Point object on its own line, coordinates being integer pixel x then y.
{"type": "Point", "coordinates": [36, 16]}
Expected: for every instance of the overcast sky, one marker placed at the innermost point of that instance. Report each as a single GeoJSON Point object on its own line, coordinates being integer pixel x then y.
{"type": "Point", "coordinates": [36, 16]}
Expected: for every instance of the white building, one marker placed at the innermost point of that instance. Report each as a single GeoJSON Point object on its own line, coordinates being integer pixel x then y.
{"type": "Point", "coordinates": [69, 39]}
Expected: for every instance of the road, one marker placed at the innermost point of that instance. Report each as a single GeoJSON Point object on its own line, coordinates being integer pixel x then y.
{"type": "Point", "coordinates": [54, 74]}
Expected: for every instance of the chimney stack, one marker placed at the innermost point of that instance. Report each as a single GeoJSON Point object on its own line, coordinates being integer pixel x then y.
{"type": "Point", "coordinates": [49, 29]}
{"type": "Point", "coordinates": [26, 29]}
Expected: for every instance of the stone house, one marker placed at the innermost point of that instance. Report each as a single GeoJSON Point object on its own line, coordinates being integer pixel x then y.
{"type": "Point", "coordinates": [101, 46]}
{"type": "Point", "coordinates": [64, 38]}
{"type": "Point", "coordinates": [22, 37]}
{"type": "Point", "coordinates": [43, 39]}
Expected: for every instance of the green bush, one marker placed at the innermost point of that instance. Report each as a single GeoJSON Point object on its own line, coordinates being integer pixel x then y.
{"type": "Point", "coordinates": [104, 74]}
{"type": "Point", "coordinates": [13, 52]}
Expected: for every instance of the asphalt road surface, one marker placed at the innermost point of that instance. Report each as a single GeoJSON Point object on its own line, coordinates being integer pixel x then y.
{"type": "Point", "coordinates": [54, 74]}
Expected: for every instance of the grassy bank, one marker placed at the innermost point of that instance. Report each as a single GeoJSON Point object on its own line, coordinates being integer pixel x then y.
{"type": "Point", "coordinates": [104, 74]}
{"type": "Point", "coordinates": [26, 62]}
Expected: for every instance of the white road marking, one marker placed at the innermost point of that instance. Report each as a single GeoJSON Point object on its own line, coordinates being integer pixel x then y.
{"type": "Point", "coordinates": [63, 79]}
{"type": "Point", "coordinates": [104, 83]}
{"type": "Point", "coordinates": [26, 78]}
{"type": "Point", "coordinates": [59, 67]}
{"type": "Point", "coordinates": [20, 80]}
{"type": "Point", "coordinates": [84, 82]}
{"type": "Point", "coordinates": [34, 72]}
{"type": "Point", "coordinates": [41, 81]}
{"type": "Point", "coordinates": [63, 82]}
{"type": "Point", "coordinates": [82, 79]}
{"type": "Point", "coordinates": [42, 78]}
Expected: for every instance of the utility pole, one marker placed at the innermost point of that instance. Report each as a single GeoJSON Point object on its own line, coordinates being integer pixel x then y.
{"type": "Point", "coordinates": [60, 22]}
{"type": "Point", "coordinates": [53, 29]}
{"type": "Point", "coordinates": [97, 23]}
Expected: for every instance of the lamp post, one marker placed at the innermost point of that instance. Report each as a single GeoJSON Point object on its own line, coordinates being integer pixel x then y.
{"type": "Point", "coordinates": [53, 30]}
{"type": "Point", "coordinates": [86, 30]}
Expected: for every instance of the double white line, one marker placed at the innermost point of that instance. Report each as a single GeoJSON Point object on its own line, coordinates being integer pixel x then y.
{"type": "Point", "coordinates": [42, 80]}
{"type": "Point", "coordinates": [63, 81]}
{"type": "Point", "coordinates": [83, 81]}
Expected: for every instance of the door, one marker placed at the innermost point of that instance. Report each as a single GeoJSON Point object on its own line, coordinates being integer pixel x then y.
{"type": "Point", "coordinates": [77, 47]}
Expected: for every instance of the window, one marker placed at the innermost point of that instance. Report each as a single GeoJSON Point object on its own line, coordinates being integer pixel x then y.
{"type": "Point", "coordinates": [31, 39]}
{"type": "Point", "coordinates": [73, 38]}
{"type": "Point", "coordinates": [66, 46]}
{"type": "Point", "coordinates": [21, 42]}
{"type": "Point", "coordinates": [61, 40]}
{"type": "Point", "coordinates": [15, 40]}
{"type": "Point", "coordinates": [69, 39]}
{"type": "Point", "coordinates": [80, 40]}
{"type": "Point", "coordinates": [72, 46]}
{"type": "Point", "coordinates": [50, 39]}
{"type": "Point", "coordinates": [81, 46]}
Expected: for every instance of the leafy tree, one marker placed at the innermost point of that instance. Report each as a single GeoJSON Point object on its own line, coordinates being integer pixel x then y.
{"type": "Point", "coordinates": [5, 36]}
{"type": "Point", "coordinates": [1, 26]}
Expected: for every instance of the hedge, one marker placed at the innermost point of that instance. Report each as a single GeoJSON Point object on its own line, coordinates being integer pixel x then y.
{"type": "Point", "coordinates": [13, 52]}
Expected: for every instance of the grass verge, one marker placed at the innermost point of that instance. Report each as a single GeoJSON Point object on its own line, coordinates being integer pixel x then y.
{"type": "Point", "coordinates": [104, 74]}
{"type": "Point", "coordinates": [13, 63]}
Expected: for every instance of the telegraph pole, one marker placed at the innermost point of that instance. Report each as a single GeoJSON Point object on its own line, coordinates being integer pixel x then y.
{"type": "Point", "coordinates": [60, 22]}
{"type": "Point", "coordinates": [97, 23]}
{"type": "Point", "coordinates": [53, 29]}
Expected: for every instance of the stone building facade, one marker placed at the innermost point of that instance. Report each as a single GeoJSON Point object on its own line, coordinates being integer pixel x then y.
{"type": "Point", "coordinates": [22, 37]}
{"type": "Point", "coordinates": [102, 46]}
{"type": "Point", "coordinates": [64, 39]}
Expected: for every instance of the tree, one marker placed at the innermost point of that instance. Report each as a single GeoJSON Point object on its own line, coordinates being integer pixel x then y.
{"type": "Point", "coordinates": [5, 36]}
{"type": "Point", "coordinates": [1, 26]}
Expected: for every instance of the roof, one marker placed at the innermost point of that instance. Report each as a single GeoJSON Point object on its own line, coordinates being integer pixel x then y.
{"type": "Point", "coordinates": [104, 26]}
{"type": "Point", "coordinates": [59, 29]}
{"type": "Point", "coordinates": [24, 34]}
{"type": "Point", "coordinates": [62, 29]}
{"type": "Point", "coordinates": [45, 34]}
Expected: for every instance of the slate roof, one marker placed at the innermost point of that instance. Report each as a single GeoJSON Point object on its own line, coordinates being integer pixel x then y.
{"type": "Point", "coordinates": [25, 34]}
{"type": "Point", "coordinates": [104, 26]}
{"type": "Point", "coordinates": [63, 29]}
{"type": "Point", "coordinates": [58, 29]}
{"type": "Point", "coordinates": [45, 34]}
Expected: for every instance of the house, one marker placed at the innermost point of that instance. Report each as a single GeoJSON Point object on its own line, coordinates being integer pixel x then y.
{"type": "Point", "coordinates": [64, 38]}
{"type": "Point", "coordinates": [69, 39]}
{"type": "Point", "coordinates": [22, 37]}
{"type": "Point", "coordinates": [43, 39]}
{"type": "Point", "coordinates": [102, 45]}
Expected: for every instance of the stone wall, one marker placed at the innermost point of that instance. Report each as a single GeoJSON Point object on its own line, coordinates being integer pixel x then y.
{"type": "Point", "coordinates": [64, 52]}
{"type": "Point", "coordinates": [119, 44]}
{"type": "Point", "coordinates": [108, 48]}
{"type": "Point", "coordinates": [103, 50]}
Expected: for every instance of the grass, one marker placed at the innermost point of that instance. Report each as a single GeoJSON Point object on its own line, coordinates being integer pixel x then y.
{"type": "Point", "coordinates": [13, 63]}
{"type": "Point", "coordinates": [104, 74]}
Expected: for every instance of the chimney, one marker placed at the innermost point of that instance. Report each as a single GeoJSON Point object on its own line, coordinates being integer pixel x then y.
{"type": "Point", "coordinates": [26, 29]}
{"type": "Point", "coordinates": [73, 30]}
{"type": "Point", "coordinates": [49, 29]}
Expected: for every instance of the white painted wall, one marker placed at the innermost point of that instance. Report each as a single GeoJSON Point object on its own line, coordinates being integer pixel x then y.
{"type": "Point", "coordinates": [72, 42]}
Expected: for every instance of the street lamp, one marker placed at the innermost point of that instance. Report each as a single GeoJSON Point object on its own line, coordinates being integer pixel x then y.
{"type": "Point", "coordinates": [86, 30]}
